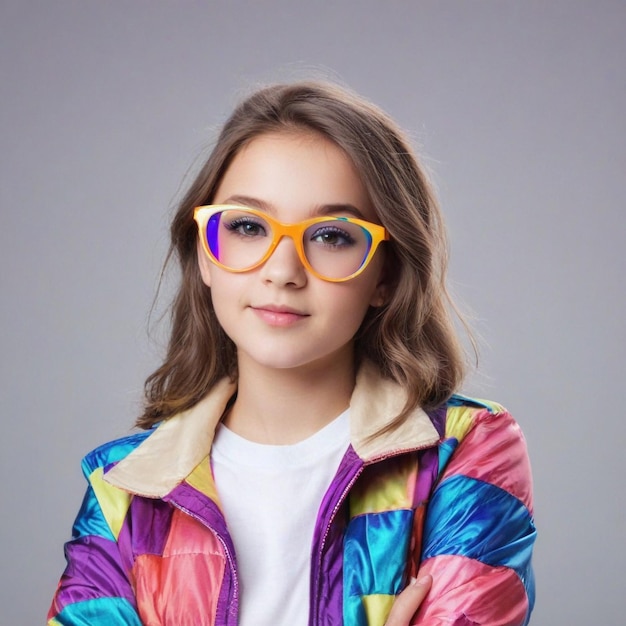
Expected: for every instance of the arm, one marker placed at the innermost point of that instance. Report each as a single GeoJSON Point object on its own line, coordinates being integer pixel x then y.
{"type": "Point", "coordinates": [94, 589]}
{"type": "Point", "coordinates": [479, 530]}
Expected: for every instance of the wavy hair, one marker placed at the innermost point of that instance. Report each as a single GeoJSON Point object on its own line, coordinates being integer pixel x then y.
{"type": "Point", "coordinates": [411, 337]}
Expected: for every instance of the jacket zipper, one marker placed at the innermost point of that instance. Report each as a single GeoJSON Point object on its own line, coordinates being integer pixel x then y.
{"type": "Point", "coordinates": [314, 618]}
{"type": "Point", "coordinates": [383, 457]}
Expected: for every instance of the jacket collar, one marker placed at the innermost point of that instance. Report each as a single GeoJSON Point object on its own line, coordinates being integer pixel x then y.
{"type": "Point", "coordinates": [181, 443]}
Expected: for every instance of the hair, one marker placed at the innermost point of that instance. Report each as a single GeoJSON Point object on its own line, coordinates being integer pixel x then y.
{"type": "Point", "coordinates": [411, 337]}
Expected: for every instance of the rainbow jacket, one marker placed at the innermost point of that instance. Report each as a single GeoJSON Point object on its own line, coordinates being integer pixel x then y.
{"type": "Point", "coordinates": [448, 492]}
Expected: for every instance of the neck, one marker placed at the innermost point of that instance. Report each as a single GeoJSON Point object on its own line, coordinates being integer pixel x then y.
{"type": "Point", "coordinates": [284, 406]}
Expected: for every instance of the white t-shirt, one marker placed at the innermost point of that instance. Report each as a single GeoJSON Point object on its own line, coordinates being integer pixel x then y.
{"type": "Point", "coordinates": [271, 496]}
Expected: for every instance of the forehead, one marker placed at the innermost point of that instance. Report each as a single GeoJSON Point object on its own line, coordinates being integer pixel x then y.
{"type": "Point", "coordinates": [295, 173]}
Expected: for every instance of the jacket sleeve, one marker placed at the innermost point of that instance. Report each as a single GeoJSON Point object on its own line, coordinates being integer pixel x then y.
{"type": "Point", "coordinates": [479, 529]}
{"type": "Point", "coordinates": [94, 589]}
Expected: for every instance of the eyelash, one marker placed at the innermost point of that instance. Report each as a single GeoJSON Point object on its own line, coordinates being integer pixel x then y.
{"type": "Point", "coordinates": [238, 223]}
{"type": "Point", "coordinates": [333, 230]}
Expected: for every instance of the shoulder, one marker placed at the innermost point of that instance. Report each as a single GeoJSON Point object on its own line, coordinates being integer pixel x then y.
{"type": "Point", "coordinates": [461, 414]}
{"type": "Point", "coordinates": [113, 451]}
{"type": "Point", "coordinates": [480, 439]}
{"type": "Point", "coordinates": [464, 413]}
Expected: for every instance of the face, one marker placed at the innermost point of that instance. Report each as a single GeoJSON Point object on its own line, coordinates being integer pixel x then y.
{"type": "Point", "coordinates": [279, 315]}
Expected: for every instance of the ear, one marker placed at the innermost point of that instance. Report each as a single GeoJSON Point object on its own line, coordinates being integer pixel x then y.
{"type": "Point", "coordinates": [380, 296]}
{"type": "Point", "coordinates": [382, 291]}
{"type": "Point", "coordinates": [204, 264]}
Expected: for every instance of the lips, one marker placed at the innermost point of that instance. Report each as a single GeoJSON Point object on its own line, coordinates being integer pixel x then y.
{"type": "Point", "coordinates": [279, 315]}
{"type": "Point", "coordinates": [277, 308]}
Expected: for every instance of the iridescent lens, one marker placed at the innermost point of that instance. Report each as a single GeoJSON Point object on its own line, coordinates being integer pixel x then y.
{"type": "Point", "coordinates": [336, 248]}
{"type": "Point", "coordinates": [238, 239]}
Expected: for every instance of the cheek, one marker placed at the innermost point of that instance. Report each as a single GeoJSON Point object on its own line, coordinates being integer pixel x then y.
{"type": "Point", "coordinates": [227, 296]}
{"type": "Point", "coordinates": [353, 307]}
{"type": "Point", "coordinates": [222, 312]}
{"type": "Point", "coordinates": [219, 293]}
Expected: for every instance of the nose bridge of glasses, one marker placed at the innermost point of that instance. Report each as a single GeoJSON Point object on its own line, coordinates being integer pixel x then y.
{"type": "Point", "coordinates": [282, 231]}
{"type": "Point", "coordinates": [287, 235]}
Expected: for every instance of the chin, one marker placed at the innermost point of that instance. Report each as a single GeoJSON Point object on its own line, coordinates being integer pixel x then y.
{"type": "Point", "coordinates": [301, 362]}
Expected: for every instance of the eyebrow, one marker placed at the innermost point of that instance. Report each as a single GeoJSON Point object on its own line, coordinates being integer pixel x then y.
{"type": "Point", "coordinates": [321, 210]}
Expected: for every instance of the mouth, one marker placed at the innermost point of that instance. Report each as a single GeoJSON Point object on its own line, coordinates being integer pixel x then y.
{"type": "Point", "coordinates": [278, 315]}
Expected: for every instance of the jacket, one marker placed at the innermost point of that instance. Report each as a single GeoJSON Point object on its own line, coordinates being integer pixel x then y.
{"type": "Point", "coordinates": [448, 491]}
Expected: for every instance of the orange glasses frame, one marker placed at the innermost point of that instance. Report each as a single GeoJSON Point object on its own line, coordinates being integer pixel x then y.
{"type": "Point", "coordinates": [295, 232]}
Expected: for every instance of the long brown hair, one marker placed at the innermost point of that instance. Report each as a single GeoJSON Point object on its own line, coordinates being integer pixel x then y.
{"type": "Point", "coordinates": [411, 337]}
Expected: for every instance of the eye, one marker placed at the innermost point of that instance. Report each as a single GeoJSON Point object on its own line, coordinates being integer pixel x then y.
{"type": "Point", "coordinates": [332, 236]}
{"type": "Point", "coordinates": [246, 227]}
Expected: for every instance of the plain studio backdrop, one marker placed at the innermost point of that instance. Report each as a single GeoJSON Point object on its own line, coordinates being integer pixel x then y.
{"type": "Point", "coordinates": [519, 110]}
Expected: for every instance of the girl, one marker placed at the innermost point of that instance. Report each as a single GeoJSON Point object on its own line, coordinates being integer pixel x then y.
{"type": "Point", "coordinates": [304, 452]}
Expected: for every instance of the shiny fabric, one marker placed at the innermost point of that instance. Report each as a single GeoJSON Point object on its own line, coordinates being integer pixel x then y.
{"type": "Point", "coordinates": [375, 551]}
{"type": "Point", "coordinates": [459, 508]}
{"type": "Point", "coordinates": [97, 611]}
{"type": "Point", "coordinates": [468, 518]}
{"type": "Point", "coordinates": [171, 587]}
{"type": "Point", "coordinates": [497, 594]}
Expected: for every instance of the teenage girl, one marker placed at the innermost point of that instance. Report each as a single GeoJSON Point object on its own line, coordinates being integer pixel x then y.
{"type": "Point", "coordinates": [305, 457]}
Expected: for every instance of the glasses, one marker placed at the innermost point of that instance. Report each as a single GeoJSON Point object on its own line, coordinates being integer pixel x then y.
{"type": "Point", "coordinates": [240, 239]}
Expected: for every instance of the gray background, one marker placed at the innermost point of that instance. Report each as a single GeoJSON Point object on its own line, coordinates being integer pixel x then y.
{"type": "Point", "coordinates": [519, 107]}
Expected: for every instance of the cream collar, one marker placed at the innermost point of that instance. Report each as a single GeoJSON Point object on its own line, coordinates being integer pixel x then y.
{"type": "Point", "coordinates": [180, 443]}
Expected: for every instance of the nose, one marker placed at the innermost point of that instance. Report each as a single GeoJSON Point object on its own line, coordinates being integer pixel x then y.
{"type": "Point", "coordinates": [284, 267]}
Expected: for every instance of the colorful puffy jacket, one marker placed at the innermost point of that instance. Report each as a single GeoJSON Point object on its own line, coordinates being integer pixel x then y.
{"type": "Point", "coordinates": [448, 491]}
